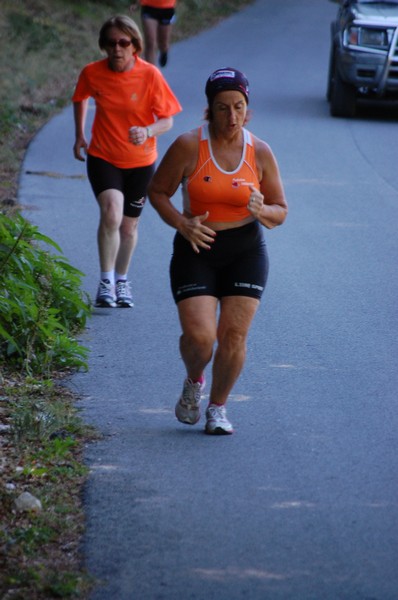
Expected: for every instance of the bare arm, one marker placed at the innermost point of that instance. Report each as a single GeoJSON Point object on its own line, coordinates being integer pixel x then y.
{"type": "Point", "coordinates": [139, 135]}
{"type": "Point", "coordinates": [268, 204]}
{"type": "Point", "coordinates": [80, 115]}
{"type": "Point", "coordinates": [179, 162]}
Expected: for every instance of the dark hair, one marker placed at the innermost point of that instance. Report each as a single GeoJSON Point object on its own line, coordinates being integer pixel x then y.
{"type": "Point", "coordinates": [125, 24]}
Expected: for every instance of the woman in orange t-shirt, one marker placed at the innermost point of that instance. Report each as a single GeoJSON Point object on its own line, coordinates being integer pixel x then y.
{"type": "Point", "coordinates": [231, 190]}
{"type": "Point", "coordinates": [133, 105]}
{"type": "Point", "coordinates": [157, 17]}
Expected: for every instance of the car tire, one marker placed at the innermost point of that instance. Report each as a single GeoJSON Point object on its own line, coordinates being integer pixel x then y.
{"type": "Point", "coordinates": [330, 76]}
{"type": "Point", "coordinates": [343, 96]}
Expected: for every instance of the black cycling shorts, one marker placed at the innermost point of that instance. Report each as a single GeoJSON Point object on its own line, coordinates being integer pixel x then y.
{"type": "Point", "coordinates": [165, 16]}
{"type": "Point", "coordinates": [236, 265]}
{"type": "Point", "coordinates": [133, 183]}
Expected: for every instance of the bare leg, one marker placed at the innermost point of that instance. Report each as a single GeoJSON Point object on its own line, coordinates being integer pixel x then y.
{"type": "Point", "coordinates": [128, 240]}
{"type": "Point", "coordinates": [236, 315]}
{"type": "Point", "coordinates": [108, 236]}
{"type": "Point", "coordinates": [164, 35]}
{"type": "Point", "coordinates": [117, 234]}
{"type": "Point", "coordinates": [150, 27]}
{"type": "Point", "coordinates": [198, 317]}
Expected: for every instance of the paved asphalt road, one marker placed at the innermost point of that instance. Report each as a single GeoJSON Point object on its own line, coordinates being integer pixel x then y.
{"type": "Point", "coordinates": [301, 503]}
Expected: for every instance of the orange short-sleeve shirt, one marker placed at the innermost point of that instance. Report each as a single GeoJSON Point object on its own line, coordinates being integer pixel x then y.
{"type": "Point", "coordinates": [122, 100]}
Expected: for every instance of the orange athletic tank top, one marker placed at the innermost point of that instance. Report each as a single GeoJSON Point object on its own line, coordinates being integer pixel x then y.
{"type": "Point", "coordinates": [225, 194]}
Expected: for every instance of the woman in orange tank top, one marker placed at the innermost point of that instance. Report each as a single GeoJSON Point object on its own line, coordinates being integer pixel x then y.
{"type": "Point", "coordinates": [231, 188]}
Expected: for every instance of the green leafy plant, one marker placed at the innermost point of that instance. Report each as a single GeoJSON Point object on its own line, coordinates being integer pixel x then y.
{"type": "Point", "coordinates": [41, 304]}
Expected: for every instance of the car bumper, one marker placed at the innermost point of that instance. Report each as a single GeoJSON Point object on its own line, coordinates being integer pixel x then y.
{"type": "Point", "coordinates": [368, 70]}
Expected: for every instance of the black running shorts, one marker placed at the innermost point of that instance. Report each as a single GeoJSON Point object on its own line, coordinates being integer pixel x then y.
{"type": "Point", "coordinates": [133, 183]}
{"type": "Point", "coordinates": [236, 265]}
{"type": "Point", "coordinates": [165, 16]}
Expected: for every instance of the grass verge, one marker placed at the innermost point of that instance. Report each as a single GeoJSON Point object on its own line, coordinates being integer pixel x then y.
{"type": "Point", "coordinates": [41, 440]}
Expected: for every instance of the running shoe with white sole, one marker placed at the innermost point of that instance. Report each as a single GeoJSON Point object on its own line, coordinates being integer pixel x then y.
{"type": "Point", "coordinates": [216, 421]}
{"type": "Point", "coordinates": [105, 294]}
{"type": "Point", "coordinates": [188, 407]}
{"type": "Point", "coordinates": [124, 298]}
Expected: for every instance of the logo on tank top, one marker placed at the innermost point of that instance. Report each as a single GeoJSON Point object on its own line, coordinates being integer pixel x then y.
{"type": "Point", "coordinates": [241, 181]}
{"type": "Point", "coordinates": [207, 179]}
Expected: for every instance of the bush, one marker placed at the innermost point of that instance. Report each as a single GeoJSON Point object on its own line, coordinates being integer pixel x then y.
{"type": "Point", "coordinates": [41, 304]}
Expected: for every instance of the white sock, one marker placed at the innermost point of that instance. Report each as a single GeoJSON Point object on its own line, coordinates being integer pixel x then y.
{"type": "Point", "coordinates": [109, 275]}
{"type": "Point", "coordinates": [119, 277]}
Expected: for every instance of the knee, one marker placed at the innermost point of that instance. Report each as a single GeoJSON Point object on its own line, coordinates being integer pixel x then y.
{"type": "Point", "coordinates": [128, 228]}
{"type": "Point", "coordinates": [110, 217]}
{"type": "Point", "coordinates": [111, 213]}
{"type": "Point", "coordinates": [203, 341]}
{"type": "Point", "coordinates": [232, 339]}
{"type": "Point", "coordinates": [150, 43]}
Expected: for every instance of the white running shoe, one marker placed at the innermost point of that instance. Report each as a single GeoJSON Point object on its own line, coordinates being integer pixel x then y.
{"type": "Point", "coordinates": [124, 298]}
{"type": "Point", "coordinates": [188, 407]}
{"type": "Point", "coordinates": [105, 294]}
{"type": "Point", "coordinates": [216, 421]}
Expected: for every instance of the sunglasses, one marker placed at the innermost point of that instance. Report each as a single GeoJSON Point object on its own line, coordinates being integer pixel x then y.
{"type": "Point", "coordinates": [121, 43]}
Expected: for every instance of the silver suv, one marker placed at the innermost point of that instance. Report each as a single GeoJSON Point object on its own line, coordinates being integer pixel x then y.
{"type": "Point", "coordinates": [364, 54]}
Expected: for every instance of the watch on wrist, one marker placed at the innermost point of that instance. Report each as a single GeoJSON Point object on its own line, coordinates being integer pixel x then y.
{"type": "Point", "coordinates": [149, 132]}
